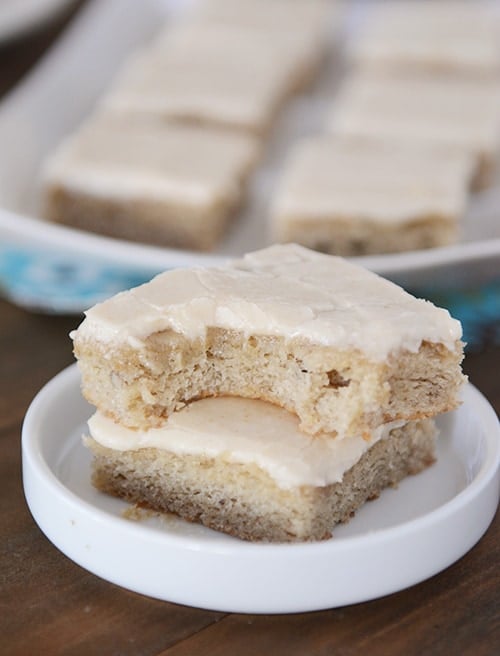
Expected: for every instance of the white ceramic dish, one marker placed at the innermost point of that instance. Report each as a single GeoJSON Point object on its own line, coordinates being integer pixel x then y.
{"type": "Point", "coordinates": [20, 17]}
{"type": "Point", "coordinates": [33, 119]}
{"type": "Point", "coordinates": [402, 538]}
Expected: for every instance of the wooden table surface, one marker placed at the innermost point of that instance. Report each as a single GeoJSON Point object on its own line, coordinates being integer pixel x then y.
{"type": "Point", "coordinates": [49, 605]}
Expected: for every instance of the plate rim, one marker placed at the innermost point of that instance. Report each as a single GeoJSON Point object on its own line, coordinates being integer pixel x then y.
{"type": "Point", "coordinates": [30, 231]}
{"type": "Point", "coordinates": [23, 21]}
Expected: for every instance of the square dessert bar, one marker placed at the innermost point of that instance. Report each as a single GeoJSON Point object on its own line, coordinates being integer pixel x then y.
{"type": "Point", "coordinates": [167, 184]}
{"type": "Point", "coordinates": [213, 74]}
{"type": "Point", "coordinates": [435, 109]}
{"type": "Point", "coordinates": [311, 26]}
{"type": "Point", "coordinates": [338, 346]}
{"type": "Point", "coordinates": [243, 467]}
{"type": "Point", "coordinates": [355, 196]}
{"type": "Point", "coordinates": [450, 35]}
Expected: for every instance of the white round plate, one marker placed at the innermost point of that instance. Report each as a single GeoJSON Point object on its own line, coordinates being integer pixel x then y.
{"type": "Point", "coordinates": [404, 537]}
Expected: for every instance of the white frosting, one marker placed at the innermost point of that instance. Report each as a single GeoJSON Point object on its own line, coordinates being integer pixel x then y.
{"type": "Point", "coordinates": [454, 35]}
{"type": "Point", "coordinates": [307, 16]}
{"type": "Point", "coordinates": [245, 431]}
{"type": "Point", "coordinates": [284, 290]}
{"type": "Point", "coordinates": [330, 178]}
{"type": "Point", "coordinates": [452, 111]}
{"type": "Point", "coordinates": [211, 73]}
{"type": "Point", "coordinates": [127, 158]}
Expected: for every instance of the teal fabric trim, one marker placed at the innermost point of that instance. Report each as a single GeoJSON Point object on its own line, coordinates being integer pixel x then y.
{"type": "Point", "coordinates": [59, 283]}
{"type": "Point", "coordinates": [478, 309]}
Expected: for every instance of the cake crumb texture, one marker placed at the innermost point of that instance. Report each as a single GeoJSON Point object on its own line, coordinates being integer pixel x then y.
{"type": "Point", "coordinates": [331, 390]}
{"type": "Point", "coordinates": [242, 500]}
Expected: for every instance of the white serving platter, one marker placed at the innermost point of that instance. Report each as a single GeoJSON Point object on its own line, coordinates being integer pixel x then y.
{"type": "Point", "coordinates": [404, 537]}
{"type": "Point", "coordinates": [18, 18]}
{"type": "Point", "coordinates": [67, 84]}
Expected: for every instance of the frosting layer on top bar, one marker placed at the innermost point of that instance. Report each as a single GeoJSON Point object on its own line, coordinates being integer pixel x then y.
{"type": "Point", "coordinates": [456, 35]}
{"type": "Point", "coordinates": [439, 109]}
{"type": "Point", "coordinates": [338, 178]}
{"type": "Point", "coordinates": [284, 290]}
{"type": "Point", "coordinates": [247, 432]}
{"type": "Point", "coordinates": [125, 158]}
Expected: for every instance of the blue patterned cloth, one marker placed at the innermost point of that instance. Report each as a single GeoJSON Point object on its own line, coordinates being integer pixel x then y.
{"type": "Point", "coordinates": [478, 309]}
{"type": "Point", "coordinates": [56, 282]}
